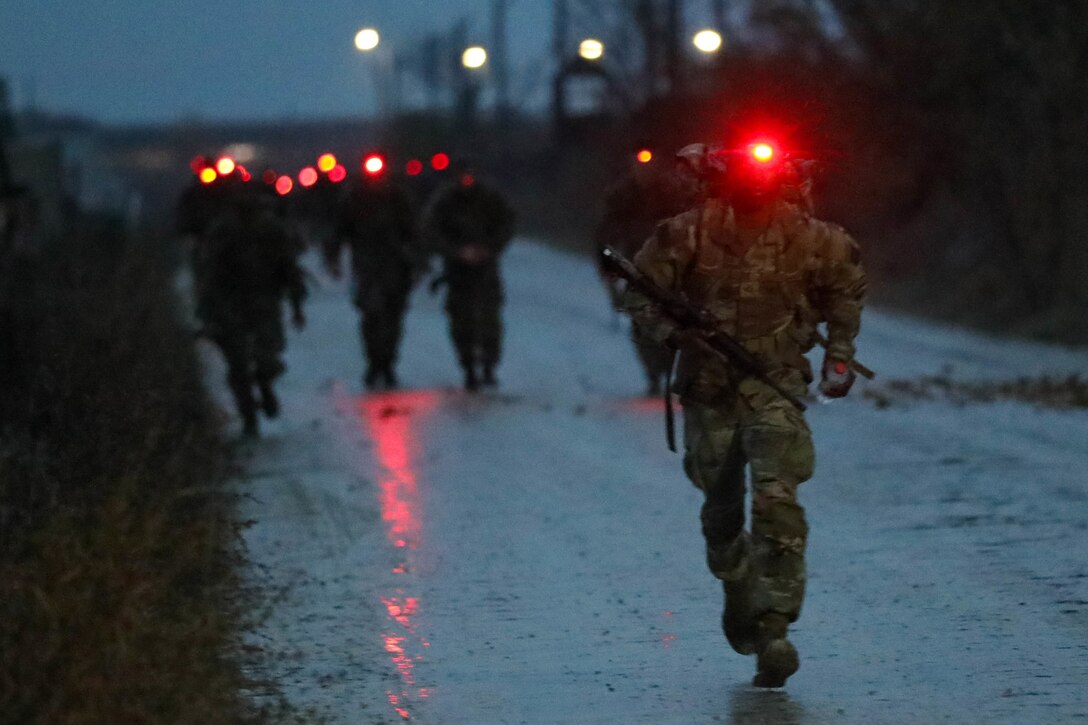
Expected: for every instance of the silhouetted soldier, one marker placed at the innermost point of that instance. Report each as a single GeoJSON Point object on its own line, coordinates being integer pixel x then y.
{"type": "Point", "coordinates": [378, 224]}
{"type": "Point", "coordinates": [634, 205]}
{"type": "Point", "coordinates": [470, 225]}
{"type": "Point", "coordinates": [248, 264]}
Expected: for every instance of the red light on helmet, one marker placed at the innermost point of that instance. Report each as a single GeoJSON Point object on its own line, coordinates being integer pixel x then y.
{"type": "Point", "coordinates": [764, 153]}
{"type": "Point", "coordinates": [337, 174]}
{"type": "Point", "coordinates": [308, 176]}
{"type": "Point", "coordinates": [373, 164]}
{"type": "Point", "coordinates": [414, 167]}
{"type": "Point", "coordinates": [326, 163]}
{"type": "Point", "coordinates": [269, 177]}
{"type": "Point", "coordinates": [440, 162]}
{"type": "Point", "coordinates": [645, 156]}
{"type": "Point", "coordinates": [284, 185]}
{"type": "Point", "coordinates": [208, 175]}
{"type": "Point", "coordinates": [198, 164]}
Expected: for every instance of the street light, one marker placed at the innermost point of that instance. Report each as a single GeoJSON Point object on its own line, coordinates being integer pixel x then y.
{"type": "Point", "coordinates": [707, 41]}
{"type": "Point", "coordinates": [591, 49]}
{"type": "Point", "coordinates": [474, 57]}
{"type": "Point", "coordinates": [367, 39]}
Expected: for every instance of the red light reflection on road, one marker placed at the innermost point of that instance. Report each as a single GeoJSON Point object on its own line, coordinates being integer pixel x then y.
{"type": "Point", "coordinates": [390, 421]}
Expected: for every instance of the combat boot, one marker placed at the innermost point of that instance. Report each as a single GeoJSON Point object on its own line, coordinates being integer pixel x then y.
{"type": "Point", "coordinates": [270, 404]}
{"type": "Point", "coordinates": [777, 656]}
{"type": "Point", "coordinates": [732, 565]}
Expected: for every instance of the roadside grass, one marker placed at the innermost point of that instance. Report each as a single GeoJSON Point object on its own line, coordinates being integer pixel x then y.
{"type": "Point", "coordinates": [120, 597]}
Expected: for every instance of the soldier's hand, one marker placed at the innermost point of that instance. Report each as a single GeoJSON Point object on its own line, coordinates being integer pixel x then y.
{"type": "Point", "coordinates": [838, 378]}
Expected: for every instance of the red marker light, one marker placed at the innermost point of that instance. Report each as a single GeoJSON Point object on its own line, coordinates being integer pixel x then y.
{"type": "Point", "coordinates": [373, 164]}
{"type": "Point", "coordinates": [269, 177]}
{"type": "Point", "coordinates": [337, 174]}
{"type": "Point", "coordinates": [225, 166]}
{"type": "Point", "coordinates": [308, 176]}
{"type": "Point", "coordinates": [198, 164]}
{"type": "Point", "coordinates": [440, 162]}
{"type": "Point", "coordinates": [467, 179]}
{"type": "Point", "coordinates": [244, 173]}
{"type": "Point", "coordinates": [284, 185]}
{"type": "Point", "coordinates": [645, 156]}
{"type": "Point", "coordinates": [326, 163]}
{"type": "Point", "coordinates": [414, 167]}
{"type": "Point", "coordinates": [762, 152]}
{"type": "Point", "coordinates": [840, 367]}
{"type": "Point", "coordinates": [208, 175]}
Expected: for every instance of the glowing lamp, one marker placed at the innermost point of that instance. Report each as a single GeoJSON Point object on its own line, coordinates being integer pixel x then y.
{"type": "Point", "coordinates": [337, 174]}
{"type": "Point", "coordinates": [414, 167]}
{"type": "Point", "coordinates": [440, 162]}
{"type": "Point", "coordinates": [373, 164]}
{"type": "Point", "coordinates": [763, 152]}
{"type": "Point", "coordinates": [308, 176]}
{"type": "Point", "coordinates": [707, 41]}
{"type": "Point", "coordinates": [367, 39]}
{"type": "Point", "coordinates": [284, 185]}
{"type": "Point", "coordinates": [225, 166]}
{"type": "Point", "coordinates": [645, 156]}
{"type": "Point", "coordinates": [474, 57]}
{"type": "Point", "coordinates": [326, 163]}
{"type": "Point", "coordinates": [208, 175]}
{"type": "Point", "coordinates": [591, 49]}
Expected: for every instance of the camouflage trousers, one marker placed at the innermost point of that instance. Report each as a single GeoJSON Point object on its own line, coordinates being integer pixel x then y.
{"type": "Point", "coordinates": [253, 349]}
{"type": "Point", "coordinates": [773, 440]}
{"type": "Point", "coordinates": [382, 308]}
{"type": "Point", "coordinates": [474, 305]}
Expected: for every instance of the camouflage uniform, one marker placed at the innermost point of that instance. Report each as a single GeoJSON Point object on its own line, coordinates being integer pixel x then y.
{"type": "Point", "coordinates": [471, 225]}
{"type": "Point", "coordinates": [768, 290]}
{"type": "Point", "coordinates": [633, 207]}
{"type": "Point", "coordinates": [378, 224]}
{"type": "Point", "coordinates": [248, 263]}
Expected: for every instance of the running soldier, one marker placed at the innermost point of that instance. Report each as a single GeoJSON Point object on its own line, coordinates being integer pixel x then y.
{"type": "Point", "coordinates": [470, 225]}
{"type": "Point", "coordinates": [378, 224]}
{"type": "Point", "coordinates": [249, 264]}
{"type": "Point", "coordinates": [768, 272]}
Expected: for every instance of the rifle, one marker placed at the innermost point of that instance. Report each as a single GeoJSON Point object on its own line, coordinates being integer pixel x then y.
{"type": "Point", "coordinates": [709, 338]}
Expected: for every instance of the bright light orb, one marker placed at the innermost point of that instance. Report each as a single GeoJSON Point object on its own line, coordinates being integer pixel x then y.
{"type": "Point", "coordinates": [763, 152]}
{"type": "Point", "coordinates": [645, 156]}
{"type": "Point", "coordinates": [414, 167]}
{"type": "Point", "coordinates": [373, 165]}
{"type": "Point", "coordinates": [208, 175]}
{"type": "Point", "coordinates": [337, 174]}
{"type": "Point", "coordinates": [284, 185]}
{"type": "Point", "coordinates": [326, 163]}
{"type": "Point", "coordinates": [225, 166]}
{"type": "Point", "coordinates": [591, 49]}
{"type": "Point", "coordinates": [367, 39]}
{"type": "Point", "coordinates": [474, 57]}
{"type": "Point", "coordinates": [707, 41]}
{"type": "Point", "coordinates": [308, 176]}
{"type": "Point", "coordinates": [440, 161]}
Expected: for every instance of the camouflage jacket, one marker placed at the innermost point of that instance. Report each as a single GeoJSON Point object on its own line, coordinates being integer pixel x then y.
{"type": "Point", "coordinates": [463, 216]}
{"type": "Point", "coordinates": [770, 296]}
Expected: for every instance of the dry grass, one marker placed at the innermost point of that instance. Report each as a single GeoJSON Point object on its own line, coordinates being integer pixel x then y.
{"type": "Point", "coordinates": [119, 599]}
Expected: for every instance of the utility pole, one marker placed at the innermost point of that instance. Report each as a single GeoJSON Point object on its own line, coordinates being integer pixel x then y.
{"type": "Point", "coordinates": [500, 60]}
{"type": "Point", "coordinates": [674, 58]}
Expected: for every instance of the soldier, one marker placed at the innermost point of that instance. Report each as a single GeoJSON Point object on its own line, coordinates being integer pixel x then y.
{"type": "Point", "coordinates": [470, 225]}
{"type": "Point", "coordinates": [768, 272]}
{"type": "Point", "coordinates": [633, 207]}
{"type": "Point", "coordinates": [378, 224]}
{"type": "Point", "coordinates": [249, 264]}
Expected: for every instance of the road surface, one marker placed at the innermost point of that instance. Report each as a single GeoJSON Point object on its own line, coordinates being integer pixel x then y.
{"type": "Point", "coordinates": [534, 555]}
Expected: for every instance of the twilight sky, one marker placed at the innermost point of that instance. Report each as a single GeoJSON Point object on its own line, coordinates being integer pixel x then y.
{"type": "Point", "coordinates": [160, 60]}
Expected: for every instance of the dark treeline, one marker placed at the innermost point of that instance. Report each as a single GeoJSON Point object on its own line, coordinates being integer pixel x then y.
{"type": "Point", "coordinates": [958, 137]}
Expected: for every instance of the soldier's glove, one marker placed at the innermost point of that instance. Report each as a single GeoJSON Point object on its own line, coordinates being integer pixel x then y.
{"type": "Point", "coordinates": [838, 378]}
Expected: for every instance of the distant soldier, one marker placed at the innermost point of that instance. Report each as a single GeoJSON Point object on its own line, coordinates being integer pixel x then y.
{"type": "Point", "coordinates": [248, 265]}
{"type": "Point", "coordinates": [766, 272]}
{"type": "Point", "coordinates": [647, 194]}
{"type": "Point", "coordinates": [377, 222]}
{"type": "Point", "coordinates": [470, 226]}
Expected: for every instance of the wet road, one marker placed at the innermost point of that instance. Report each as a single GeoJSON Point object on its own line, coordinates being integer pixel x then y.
{"type": "Point", "coordinates": [534, 556]}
